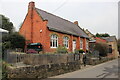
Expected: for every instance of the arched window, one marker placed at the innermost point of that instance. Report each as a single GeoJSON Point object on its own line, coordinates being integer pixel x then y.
{"type": "Point", "coordinates": [66, 42]}
{"type": "Point", "coordinates": [54, 41]}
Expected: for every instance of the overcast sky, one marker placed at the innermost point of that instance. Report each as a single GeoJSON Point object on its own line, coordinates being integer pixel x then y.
{"type": "Point", "coordinates": [98, 16]}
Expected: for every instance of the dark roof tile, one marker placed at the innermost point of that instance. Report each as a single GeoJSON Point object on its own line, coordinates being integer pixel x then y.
{"type": "Point", "coordinates": [110, 39]}
{"type": "Point", "coordinates": [59, 24]}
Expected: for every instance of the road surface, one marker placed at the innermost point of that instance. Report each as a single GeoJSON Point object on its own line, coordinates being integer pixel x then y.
{"type": "Point", "coordinates": [105, 70]}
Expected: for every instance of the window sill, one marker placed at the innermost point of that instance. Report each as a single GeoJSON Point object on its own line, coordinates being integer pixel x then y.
{"type": "Point", "coordinates": [53, 47]}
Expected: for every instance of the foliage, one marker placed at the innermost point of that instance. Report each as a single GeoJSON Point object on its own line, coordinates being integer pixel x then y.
{"type": "Point", "coordinates": [62, 49]}
{"type": "Point", "coordinates": [102, 48]}
{"type": "Point", "coordinates": [102, 35]}
{"type": "Point", "coordinates": [14, 40]}
{"type": "Point", "coordinates": [6, 24]}
{"type": "Point", "coordinates": [118, 44]}
{"type": "Point", "coordinates": [17, 40]}
{"type": "Point", "coordinates": [79, 51]}
{"type": "Point", "coordinates": [6, 45]}
{"type": "Point", "coordinates": [4, 71]}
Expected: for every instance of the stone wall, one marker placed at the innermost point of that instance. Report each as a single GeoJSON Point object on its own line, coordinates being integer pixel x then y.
{"type": "Point", "coordinates": [40, 59]}
{"type": "Point", "coordinates": [43, 66]}
{"type": "Point", "coordinates": [95, 61]}
{"type": "Point", "coordinates": [42, 71]}
{"type": "Point", "coordinates": [40, 65]}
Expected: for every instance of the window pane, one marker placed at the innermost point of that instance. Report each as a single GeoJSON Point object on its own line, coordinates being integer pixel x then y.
{"type": "Point", "coordinates": [65, 42]}
{"type": "Point", "coordinates": [54, 41]}
{"type": "Point", "coordinates": [56, 44]}
{"type": "Point", "coordinates": [51, 43]}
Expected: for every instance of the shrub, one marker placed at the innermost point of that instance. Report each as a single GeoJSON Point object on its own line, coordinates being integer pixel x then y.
{"type": "Point", "coordinates": [79, 51]}
{"type": "Point", "coordinates": [62, 49]}
{"type": "Point", "coordinates": [4, 70]}
{"type": "Point", "coordinates": [6, 45]}
{"type": "Point", "coordinates": [12, 41]}
{"type": "Point", "coordinates": [102, 48]}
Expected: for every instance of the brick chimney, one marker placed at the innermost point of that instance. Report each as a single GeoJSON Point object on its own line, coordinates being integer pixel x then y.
{"type": "Point", "coordinates": [31, 5]}
{"type": "Point", "coordinates": [76, 22]}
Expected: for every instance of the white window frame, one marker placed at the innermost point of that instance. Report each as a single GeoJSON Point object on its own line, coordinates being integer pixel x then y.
{"type": "Point", "coordinates": [66, 42]}
{"type": "Point", "coordinates": [54, 40]}
{"type": "Point", "coordinates": [81, 43]}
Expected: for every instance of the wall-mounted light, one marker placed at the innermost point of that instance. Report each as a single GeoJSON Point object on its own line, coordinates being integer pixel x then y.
{"type": "Point", "coordinates": [40, 30]}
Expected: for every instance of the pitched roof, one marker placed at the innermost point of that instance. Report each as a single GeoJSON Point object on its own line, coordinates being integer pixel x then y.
{"type": "Point", "coordinates": [61, 25]}
{"type": "Point", "coordinates": [110, 39]}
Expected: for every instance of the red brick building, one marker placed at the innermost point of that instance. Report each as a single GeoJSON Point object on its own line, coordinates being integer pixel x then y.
{"type": "Point", "coordinates": [100, 40]}
{"type": "Point", "coordinates": [42, 27]}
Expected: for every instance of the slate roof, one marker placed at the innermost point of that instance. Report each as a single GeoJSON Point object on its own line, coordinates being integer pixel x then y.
{"type": "Point", "coordinates": [58, 24]}
{"type": "Point", "coordinates": [110, 39]}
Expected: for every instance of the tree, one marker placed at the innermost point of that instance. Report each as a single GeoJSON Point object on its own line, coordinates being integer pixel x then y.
{"type": "Point", "coordinates": [102, 48]}
{"type": "Point", "coordinates": [118, 44]}
{"type": "Point", "coordinates": [102, 35]}
{"type": "Point", "coordinates": [98, 35]}
{"type": "Point", "coordinates": [6, 24]}
{"type": "Point", "coordinates": [105, 35]}
{"type": "Point", "coordinates": [14, 40]}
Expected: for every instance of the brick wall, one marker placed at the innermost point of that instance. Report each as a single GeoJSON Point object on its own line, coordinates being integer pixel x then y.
{"type": "Point", "coordinates": [35, 30]}
{"type": "Point", "coordinates": [99, 40]}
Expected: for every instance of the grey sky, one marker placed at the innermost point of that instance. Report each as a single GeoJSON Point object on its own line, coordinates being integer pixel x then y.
{"type": "Point", "coordinates": [96, 15]}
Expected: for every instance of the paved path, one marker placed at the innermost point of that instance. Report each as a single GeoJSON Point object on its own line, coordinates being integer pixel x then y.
{"type": "Point", "coordinates": [105, 70]}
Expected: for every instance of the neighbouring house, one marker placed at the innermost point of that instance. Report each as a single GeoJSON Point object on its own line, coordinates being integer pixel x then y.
{"type": "Point", "coordinates": [51, 31]}
{"type": "Point", "coordinates": [100, 40]}
{"type": "Point", "coordinates": [91, 36]}
{"type": "Point", "coordinates": [94, 42]}
{"type": "Point", "coordinates": [112, 42]}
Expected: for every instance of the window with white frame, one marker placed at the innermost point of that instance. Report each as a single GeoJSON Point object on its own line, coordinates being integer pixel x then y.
{"type": "Point", "coordinates": [87, 44]}
{"type": "Point", "coordinates": [66, 42]}
{"type": "Point", "coordinates": [54, 41]}
{"type": "Point", "coordinates": [81, 44]}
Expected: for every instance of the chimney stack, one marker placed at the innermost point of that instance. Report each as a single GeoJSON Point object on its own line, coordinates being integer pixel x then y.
{"type": "Point", "coordinates": [31, 5]}
{"type": "Point", "coordinates": [76, 22]}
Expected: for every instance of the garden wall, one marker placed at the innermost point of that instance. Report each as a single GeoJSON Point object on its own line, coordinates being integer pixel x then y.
{"type": "Point", "coordinates": [44, 65]}
{"type": "Point", "coordinates": [42, 71]}
{"type": "Point", "coordinates": [40, 59]}
{"type": "Point", "coordinates": [40, 65]}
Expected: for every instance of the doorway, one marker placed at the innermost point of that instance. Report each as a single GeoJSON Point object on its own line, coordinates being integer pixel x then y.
{"type": "Point", "coordinates": [74, 45]}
